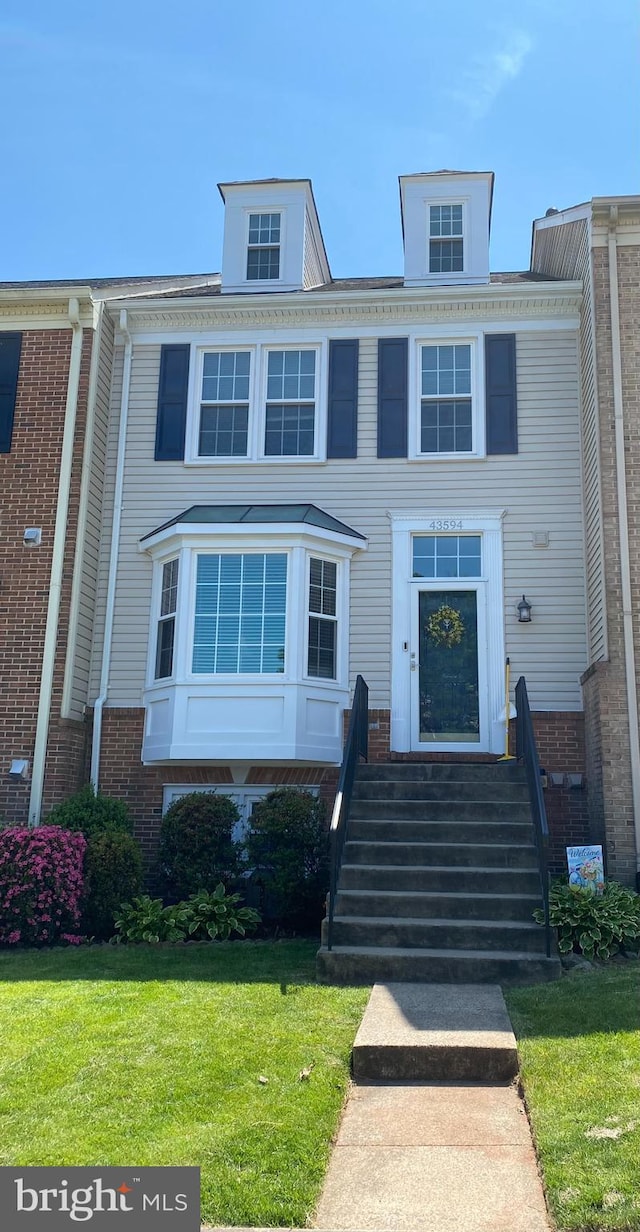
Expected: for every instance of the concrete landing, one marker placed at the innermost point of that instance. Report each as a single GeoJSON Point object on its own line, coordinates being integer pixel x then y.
{"type": "Point", "coordinates": [439, 1032]}
{"type": "Point", "coordinates": [433, 1158]}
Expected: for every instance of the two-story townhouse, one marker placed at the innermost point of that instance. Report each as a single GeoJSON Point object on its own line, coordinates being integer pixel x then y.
{"type": "Point", "coordinates": [599, 243]}
{"type": "Point", "coordinates": [56, 348]}
{"type": "Point", "coordinates": [309, 478]}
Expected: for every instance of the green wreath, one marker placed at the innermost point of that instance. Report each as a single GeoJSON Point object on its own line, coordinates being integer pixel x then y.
{"type": "Point", "coordinates": [445, 627]}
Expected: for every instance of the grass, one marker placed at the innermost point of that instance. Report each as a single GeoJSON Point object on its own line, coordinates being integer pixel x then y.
{"type": "Point", "coordinates": [579, 1047]}
{"type": "Point", "coordinates": [144, 1055]}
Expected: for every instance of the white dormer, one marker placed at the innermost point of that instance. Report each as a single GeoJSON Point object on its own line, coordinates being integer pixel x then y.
{"type": "Point", "coordinates": [272, 237]}
{"type": "Point", "coordinates": [446, 216]}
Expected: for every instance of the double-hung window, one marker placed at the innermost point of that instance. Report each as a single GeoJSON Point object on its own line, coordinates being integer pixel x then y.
{"type": "Point", "coordinates": [165, 633]}
{"type": "Point", "coordinates": [446, 240]}
{"type": "Point", "coordinates": [291, 404]}
{"type": "Point", "coordinates": [323, 619]}
{"type": "Point", "coordinates": [224, 406]}
{"type": "Point", "coordinates": [257, 403]}
{"type": "Point", "coordinates": [446, 406]}
{"type": "Point", "coordinates": [263, 249]}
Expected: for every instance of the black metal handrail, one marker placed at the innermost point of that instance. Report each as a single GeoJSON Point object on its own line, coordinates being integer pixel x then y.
{"type": "Point", "coordinates": [356, 746]}
{"type": "Point", "coordinates": [527, 752]}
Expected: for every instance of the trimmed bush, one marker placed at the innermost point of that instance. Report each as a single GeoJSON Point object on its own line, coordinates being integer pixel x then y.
{"type": "Point", "coordinates": [598, 925]}
{"type": "Point", "coordinates": [41, 885]}
{"type": "Point", "coordinates": [288, 847]}
{"type": "Point", "coordinates": [91, 814]}
{"type": "Point", "coordinates": [197, 851]}
{"type": "Point", "coordinates": [113, 863]}
{"type": "Point", "coordinates": [113, 874]}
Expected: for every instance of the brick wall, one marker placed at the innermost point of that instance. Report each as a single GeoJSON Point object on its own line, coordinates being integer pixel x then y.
{"type": "Point", "coordinates": [29, 477]}
{"type": "Point", "coordinates": [604, 684]}
{"type": "Point", "coordinates": [122, 774]}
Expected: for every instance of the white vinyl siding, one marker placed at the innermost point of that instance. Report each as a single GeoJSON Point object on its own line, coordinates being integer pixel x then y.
{"type": "Point", "coordinates": [540, 488]}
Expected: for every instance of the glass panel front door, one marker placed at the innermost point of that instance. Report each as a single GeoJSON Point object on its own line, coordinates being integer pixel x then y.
{"type": "Point", "coordinates": [448, 694]}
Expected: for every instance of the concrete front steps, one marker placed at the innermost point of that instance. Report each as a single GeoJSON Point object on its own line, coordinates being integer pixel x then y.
{"type": "Point", "coordinates": [439, 879]}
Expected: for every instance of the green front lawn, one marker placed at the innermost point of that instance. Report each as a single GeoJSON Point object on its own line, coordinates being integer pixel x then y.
{"type": "Point", "coordinates": [144, 1055]}
{"type": "Point", "coordinates": [579, 1048]}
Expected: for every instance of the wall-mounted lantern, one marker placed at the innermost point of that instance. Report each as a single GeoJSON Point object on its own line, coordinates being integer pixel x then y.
{"type": "Point", "coordinates": [524, 611]}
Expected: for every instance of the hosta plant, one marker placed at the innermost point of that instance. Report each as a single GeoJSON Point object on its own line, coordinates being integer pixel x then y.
{"type": "Point", "coordinates": [146, 919]}
{"type": "Point", "coordinates": [596, 925]}
{"type": "Point", "coordinates": [217, 915]}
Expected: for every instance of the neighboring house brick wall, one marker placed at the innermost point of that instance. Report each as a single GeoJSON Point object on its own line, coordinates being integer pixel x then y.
{"type": "Point", "coordinates": [29, 477]}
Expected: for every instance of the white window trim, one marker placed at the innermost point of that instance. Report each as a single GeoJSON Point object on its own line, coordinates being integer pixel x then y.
{"type": "Point", "coordinates": [299, 548]}
{"type": "Point", "coordinates": [464, 237]}
{"type": "Point", "coordinates": [478, 434]}
{"type": "Point", "coordinates": [257, 401]}
{"type": "Point", "coordinates": [257, 283]}
{"type": "Point", "coordinates": [452, 275]}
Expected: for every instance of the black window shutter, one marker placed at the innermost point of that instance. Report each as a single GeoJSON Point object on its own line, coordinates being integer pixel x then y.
{"type": "Point", "coordinates": [392, 397]}
{"type": "Point", "coordinates": [172, 403]}
{"type": "Point", "coordinates": [10, 346]}
{"type": "Point", "coordinates": [342, 420]}
{"type": "Point", "coordinates": [501, 398]}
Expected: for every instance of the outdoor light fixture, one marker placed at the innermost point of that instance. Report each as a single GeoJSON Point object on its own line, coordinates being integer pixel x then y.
{"type": "Point", "coordinates": [524, 611]}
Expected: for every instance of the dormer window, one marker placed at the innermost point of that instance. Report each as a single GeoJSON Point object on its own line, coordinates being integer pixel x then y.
{"type": "Point", "coordinates": [446, 243]}
{"type": "Point", "coordinates": [263, 251]}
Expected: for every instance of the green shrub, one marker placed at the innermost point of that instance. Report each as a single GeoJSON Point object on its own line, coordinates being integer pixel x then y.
{"type": "Point", "coordinates": [91, 813]}
{"type": "Point", "coordinates": [146, 919]}
{"type": "Point", "coordinates": [218, 915]}
{"type": "Point", "coordinates": [197, 851]}
{"type": "Point", "coordinates": [113, 873]}
{"type": "Point", "coordinates": [112, 862]}
{"type": "Point", "coordinates": [597, 925]}
{"type": "Point", "coordinates": [204, 917]}
{"type": "Point", "coordinates": [288, 847]}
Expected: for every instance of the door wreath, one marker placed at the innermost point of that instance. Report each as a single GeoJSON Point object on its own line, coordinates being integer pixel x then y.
{"type": "Point", "coordinates": [445, 626]}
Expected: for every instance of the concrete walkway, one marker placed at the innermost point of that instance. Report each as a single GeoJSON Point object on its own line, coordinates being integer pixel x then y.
{"type": "Point", "coordinates": [453, 1155]}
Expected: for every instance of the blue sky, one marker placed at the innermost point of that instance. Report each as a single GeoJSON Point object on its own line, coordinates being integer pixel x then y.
{"type": "Point", "coordinates": [125, 114]}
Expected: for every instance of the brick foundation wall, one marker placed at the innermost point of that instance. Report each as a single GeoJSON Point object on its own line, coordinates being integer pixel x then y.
{"type": "Point", "coordinates": [122, 774]}
{"type": "Point", "coordinates": [29, 477]}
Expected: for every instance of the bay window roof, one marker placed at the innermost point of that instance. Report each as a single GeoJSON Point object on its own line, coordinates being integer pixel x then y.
{"type": "Point", "coordinates": [213, 515]}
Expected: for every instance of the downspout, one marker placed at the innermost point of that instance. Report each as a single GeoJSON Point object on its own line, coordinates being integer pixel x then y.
{"type": "Point", "coordinates": [81, 528]}
{"type": "Point", "coordinates": [113, 556]}
{"type": "Point", "coordinates": [625, 570]}
{"type": "Point", "coordinates": [57, 565]}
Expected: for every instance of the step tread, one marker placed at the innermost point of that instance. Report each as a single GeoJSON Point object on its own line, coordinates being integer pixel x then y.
{"type": "Point", "coordinates": [434, 921]}
{"type": "Point", "coordinates": [383, 842]}
{"type": "Point", "coordinates": [440, 868]}
{"type": "Point", "coordinates": [419, 952]}
{"type": "Point", "coordinates": [457, 894]}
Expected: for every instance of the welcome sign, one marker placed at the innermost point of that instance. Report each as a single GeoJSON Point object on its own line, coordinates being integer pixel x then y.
{"type": "Point", "coordinates": [34, 1199]}
{"type": "Point", "coordinates": [586, 868]}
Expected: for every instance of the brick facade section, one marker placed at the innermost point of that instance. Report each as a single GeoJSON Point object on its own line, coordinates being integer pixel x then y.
{"type": "Point", "coordinates": [604, 684]}
{"type": "Point", "coordinates": [122, 774]}
{"type": "Point", "coordinates": [29, 477]}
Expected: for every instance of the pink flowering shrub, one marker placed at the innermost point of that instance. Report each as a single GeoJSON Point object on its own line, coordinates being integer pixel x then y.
{"type": "Point", "coordinates": [41, 884]}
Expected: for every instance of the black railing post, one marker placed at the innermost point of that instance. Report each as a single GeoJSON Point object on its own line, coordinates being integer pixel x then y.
{"type": "Point", "coordinates": [356, 746]}
{"type": "Point", "coordinates": [527, 753]}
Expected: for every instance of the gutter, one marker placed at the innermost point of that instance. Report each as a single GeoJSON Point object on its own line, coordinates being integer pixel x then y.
{"type": "Point", "coordinates": [625, 570]}
{"type": "Point", "coordinates": [113, 555]}
{"type": "Point", "coordinates": [57, 564]}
